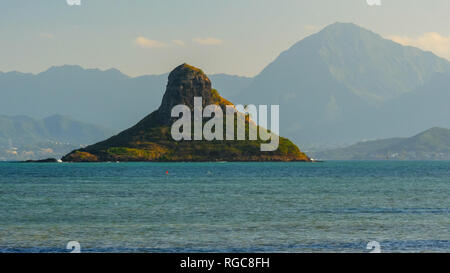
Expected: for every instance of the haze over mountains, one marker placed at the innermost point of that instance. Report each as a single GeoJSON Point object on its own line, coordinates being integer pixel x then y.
{"type": "Point", "coordinates": [23, 138]}
{"type": "Point", "coordinates": [433, 144]}
{"type": "Point", "coordinates": [338, 86]}
{"type": "Point", "coordinates": [108, 98]}
{"type": "Point", "coordinates": [347, 83]}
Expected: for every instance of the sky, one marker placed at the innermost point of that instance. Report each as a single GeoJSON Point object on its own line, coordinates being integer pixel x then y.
{"type": "Point", "coordinates": [238, 37]}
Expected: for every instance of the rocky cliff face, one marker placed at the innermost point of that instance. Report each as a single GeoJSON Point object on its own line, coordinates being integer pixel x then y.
{"type": "Point", "coordinates": [150, 139]}
{"type": "Point", "coordinates": [185, 83]}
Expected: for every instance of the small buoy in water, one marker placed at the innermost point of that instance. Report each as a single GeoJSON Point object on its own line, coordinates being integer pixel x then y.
{"type": "Point", "coordinates": [167, 172]}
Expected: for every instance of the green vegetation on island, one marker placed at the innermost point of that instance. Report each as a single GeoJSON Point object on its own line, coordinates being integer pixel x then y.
{"type": "Point", "coordinates": [151, 140]}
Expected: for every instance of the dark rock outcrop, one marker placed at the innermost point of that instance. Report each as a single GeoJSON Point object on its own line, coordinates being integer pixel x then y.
{"type": "Point", "coordinates": [185, 82]}
{"type": "Point", "coordinates": [48, 160]}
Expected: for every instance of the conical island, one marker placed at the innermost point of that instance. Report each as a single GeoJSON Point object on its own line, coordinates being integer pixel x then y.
{"type": "Point", "coordinates": [151, 138]}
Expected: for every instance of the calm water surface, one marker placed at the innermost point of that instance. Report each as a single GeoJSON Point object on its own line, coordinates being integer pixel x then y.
{"type": "Point", "coordinates": [225, 207]}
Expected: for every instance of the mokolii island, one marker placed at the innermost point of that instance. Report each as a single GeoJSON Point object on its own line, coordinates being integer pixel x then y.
{"type": "Point", "coordinates": [151, 140]}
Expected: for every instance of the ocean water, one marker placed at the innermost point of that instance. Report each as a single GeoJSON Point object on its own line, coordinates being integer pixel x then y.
{"type": "Point", "coordinates": [225, 207]}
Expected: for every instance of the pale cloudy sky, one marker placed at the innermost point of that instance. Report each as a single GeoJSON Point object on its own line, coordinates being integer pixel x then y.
{"type": "Point", "coordinates": [220, 36]}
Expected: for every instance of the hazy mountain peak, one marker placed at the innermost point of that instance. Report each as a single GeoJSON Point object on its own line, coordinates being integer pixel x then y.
{"type": "Point", "coordinates": [79, 71]}
{"type": "Point", "coordinates": [371, 67]}
{"type": "Point", "coordinates": [115, 71]}
{"type": "Point", "coordinates": [435, 131]}
{"type": "Point", "coordinates": [16, 74]}
{"type": "Point", "coordinates": [63, 69]}
{"type": "Point", "coordinates": [343, 26]}
{"type": "Point", "coordinates": [57, 117]}
{"type": "Point", "coordinates": [342, 70]}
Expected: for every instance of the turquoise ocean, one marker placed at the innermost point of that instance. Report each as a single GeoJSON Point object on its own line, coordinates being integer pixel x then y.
{"type": "Point", "coordinates": [225, 207]}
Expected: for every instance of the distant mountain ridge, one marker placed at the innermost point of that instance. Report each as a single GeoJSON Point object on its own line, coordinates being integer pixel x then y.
{"type": "Point", "coordinates": [23, 138]}
{"type": "Point", "coordinates": [336, 86]}
{"type": "Point", "coordinates": [433, 144]}
{"type": "Point", "coordinates": [106, 97]}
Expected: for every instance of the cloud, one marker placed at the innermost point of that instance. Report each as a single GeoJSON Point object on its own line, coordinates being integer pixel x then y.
{"type": "Point", "coordinates": [179, 42]}
{"type": "Point", "coordinates": [147, 43]}
{"type": "Point", "coordinates": [207, 41]}
{"type": "Point", "coordinates": [432, 41]}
